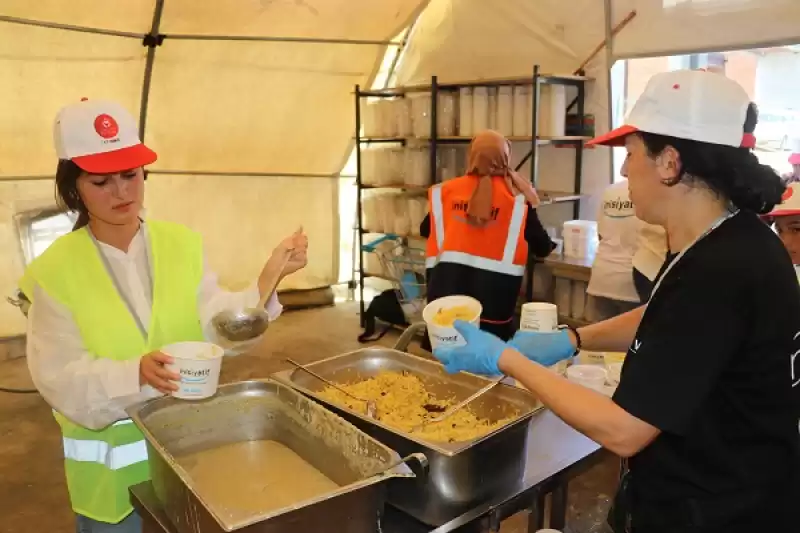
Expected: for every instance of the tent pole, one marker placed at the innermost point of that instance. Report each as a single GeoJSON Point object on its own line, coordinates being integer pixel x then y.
{"type": "Point", "coordinates": [151, 41]}
{"type": "Point", "coordinates": [69, 27]}
{"type": "Point", "coordinates": [278, 39]}
{"type": "Point", "coordinates": [609, 16]}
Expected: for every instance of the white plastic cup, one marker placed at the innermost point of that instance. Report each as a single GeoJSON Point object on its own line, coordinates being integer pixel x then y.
{"type": "Point", "coordinates": [198, 364]}
{"type": "Point", "coordinates": [448, 336]}
{"type": "Point", "coordinates": [539, 316]}
{"type": "Point", "coordinates": [591, 376]}
{"type": "Point", "coordinates": [614, 373]}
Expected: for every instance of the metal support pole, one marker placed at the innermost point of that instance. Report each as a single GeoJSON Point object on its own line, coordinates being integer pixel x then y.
{"type": "Point", "coordinates": [534, 162]}
{"type": "Point", "coordinates": [278, 39]}
{"type": "Point", "coordinates": [148, 65]}
{"type": "Point", "coordinates": [70, 27]}
{"type": "Point", "coordinates": [576, 206]}
{"type": "Point", "coordinates": [434, 128]}
{"type": "Point", "coordinates": [359, 218]}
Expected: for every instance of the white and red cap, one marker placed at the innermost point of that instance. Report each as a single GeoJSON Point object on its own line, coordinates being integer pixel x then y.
{"type": "Point", "coordinates": [688, 104]}
{"type": "Point", "coordinates": [790, 202]}
{"type": "Point", "coordinates": [794, 158]}
{"type": "Point", "coordinates": [101, 137]}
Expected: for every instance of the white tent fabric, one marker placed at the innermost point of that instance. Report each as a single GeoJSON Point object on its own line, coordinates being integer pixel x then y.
{"type": "Point", "coordinates": [664, 27]}
{"type": "Point", "coordinates": [274, 118]}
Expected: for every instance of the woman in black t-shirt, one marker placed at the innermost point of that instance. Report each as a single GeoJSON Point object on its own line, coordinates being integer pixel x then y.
{"type": "Point", "coordinates": [707, 408]}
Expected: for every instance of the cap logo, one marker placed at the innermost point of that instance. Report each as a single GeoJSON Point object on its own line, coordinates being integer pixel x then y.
{"type": "Point", "coordinates": [788, 193]}
{"type": "Point", "coordinates": [676, 86]}
{"type": "Point", "coordinates": [105, 126]}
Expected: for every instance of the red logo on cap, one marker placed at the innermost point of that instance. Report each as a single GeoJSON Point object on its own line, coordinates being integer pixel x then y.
{"type": "Point", "coordinates": [105, 126]}
{"type": "Point", "coordinates": [787, 194]}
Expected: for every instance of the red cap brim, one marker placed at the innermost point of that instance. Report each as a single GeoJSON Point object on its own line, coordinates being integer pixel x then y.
{"type": "Point", "coordinates": [614, 137]}
{"type": "Point", "coordinates": [109, 162]}
{"type": "Point", "coordinates": [794, 159]}
{"type": "Point", "coordinates": [783, 213]}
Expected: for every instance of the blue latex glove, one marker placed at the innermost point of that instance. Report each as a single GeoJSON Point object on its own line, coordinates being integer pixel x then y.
{"type": "Point", "coordinates": [479, 355]}
{"type": "Point", "coordinates": [545, 348]}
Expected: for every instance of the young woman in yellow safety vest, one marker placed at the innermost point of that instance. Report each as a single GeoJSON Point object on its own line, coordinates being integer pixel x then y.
{"type": "Point", "coordinates": [106, 297]}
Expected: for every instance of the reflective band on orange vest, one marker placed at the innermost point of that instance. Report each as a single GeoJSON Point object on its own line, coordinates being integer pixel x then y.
{"type": "Point", "coordinates": [504, 266]}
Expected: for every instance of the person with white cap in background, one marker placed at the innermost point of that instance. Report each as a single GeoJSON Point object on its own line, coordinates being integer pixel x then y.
{"type": "Point", "coordinates": [625, 252]}
{"type": "Point", "coordinates": [785, 218]}
{"type": "Point", "coordinates": [106, 297]}
{"type": "Point", "coordinates": [706, 411]}
{"type": "Point", "coordinates": [794, 160]}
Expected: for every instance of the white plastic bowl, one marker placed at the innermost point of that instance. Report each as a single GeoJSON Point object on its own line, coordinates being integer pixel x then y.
{"type": "Point", "coordinates": [198, 364]}
{"type": "Point", "coordinates": [441, 336]}
{"type": "Point", "coordinates": [591, 376]}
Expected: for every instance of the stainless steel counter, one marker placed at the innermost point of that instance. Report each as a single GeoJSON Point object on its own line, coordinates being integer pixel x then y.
{"type": "Point", "coordinates": [555, 454]}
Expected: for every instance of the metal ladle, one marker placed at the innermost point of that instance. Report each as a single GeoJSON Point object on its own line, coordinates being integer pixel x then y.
{"type": "Point", "coordinates": [453, 410]}
{"type": "Point", "coordinates": [372, 407]}
{"type": "Point", "coordinates": [247, 324]}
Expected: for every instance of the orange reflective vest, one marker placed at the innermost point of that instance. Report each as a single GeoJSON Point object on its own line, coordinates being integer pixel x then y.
{"type": "Point", "coordinates": [499, 246]}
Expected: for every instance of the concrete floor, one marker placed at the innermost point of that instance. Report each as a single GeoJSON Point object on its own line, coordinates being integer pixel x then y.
{"type": "Point", "coordinates": [33, 496]}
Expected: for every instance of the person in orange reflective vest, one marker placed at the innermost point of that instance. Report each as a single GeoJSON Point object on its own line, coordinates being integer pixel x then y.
{"type": "Point", "coordinates": [479, 229]}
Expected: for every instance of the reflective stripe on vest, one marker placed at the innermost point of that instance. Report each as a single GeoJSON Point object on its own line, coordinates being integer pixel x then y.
{"type": "Point", "coordinates": [504, 266]}
{"type": "Point", "coordinates": [98, 451]}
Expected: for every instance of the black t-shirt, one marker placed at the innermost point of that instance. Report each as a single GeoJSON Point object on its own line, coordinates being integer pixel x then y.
{"type": "Point", "coordinates": [712, 367]}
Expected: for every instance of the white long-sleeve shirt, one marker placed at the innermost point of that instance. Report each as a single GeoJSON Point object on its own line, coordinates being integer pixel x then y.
{"type": "Point", "coordinates": [94, 392]}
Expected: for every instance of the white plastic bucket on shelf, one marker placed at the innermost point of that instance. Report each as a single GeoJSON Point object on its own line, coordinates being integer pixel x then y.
{"type": "Point", "coordinates": [417, 209]}
{"type": "Point", "coordinates": [442, 335]}
{"type": "Point", "coordinates": [505, 110]}
{"type": "Point", "coordinates": [369, 166]}
{"type": "Point", "coordinates": [198, 364]}
{"type": "Point", "coordinates": [465, 112]}
{"type": "Point", "coordinates": [519, 126]}
{"type": "Point", "coordinates": [402, 219]}
{"type": "Point", "coordinates": [420, 114]}
{"type": "Point", "coordinates": [402, 113]}
{"type": "Point", "coordinates": [388, 118]}
{"type": "Point", "coordinates": [370, 217]}
{"type": "Point", "coordinates": [480, 109]}
{"type": "Point", "coordinates": [446, 114]}
{"type": "Point", "coordinates": [370, 118]}
{"type": "Point", "coordinates": [417, 171]}
{"type": "Point", "coordinates": [386, 211]}
{"type": "Point", "coordinates": [493, 108]}
{"type": "Point", "coordinates": [580, 238]}
{"type": "Point", "coordinates": [552, 107]}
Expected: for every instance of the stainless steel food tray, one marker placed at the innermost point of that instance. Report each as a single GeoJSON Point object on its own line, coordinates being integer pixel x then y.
{"type": "Point", "coordinates": [462, 474]}
{"type": "Point", "coordinates": [265, 409]}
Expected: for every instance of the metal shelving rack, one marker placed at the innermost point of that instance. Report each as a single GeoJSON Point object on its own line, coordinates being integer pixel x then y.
{"type": "Point", "coordinates": [434, 141]}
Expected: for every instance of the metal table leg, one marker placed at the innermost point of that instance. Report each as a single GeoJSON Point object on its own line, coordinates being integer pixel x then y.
{"type": "Point", "coordinates": [558, 505]}
{"type": "Point", "coordinates": [536, 515]}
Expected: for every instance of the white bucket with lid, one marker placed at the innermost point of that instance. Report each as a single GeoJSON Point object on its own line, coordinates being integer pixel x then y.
{"type": "Point", "coordinates": [442, 335]}
{"type": "Point", "coordinates": [198, 364]}
{"type": "Point", "coordinates": [580, 238]}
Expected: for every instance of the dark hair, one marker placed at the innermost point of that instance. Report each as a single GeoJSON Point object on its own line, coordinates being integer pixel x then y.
{"type": "Point", "coordinates": [733, 173]}
{"type": "Point", "coordinates": [67, 196]}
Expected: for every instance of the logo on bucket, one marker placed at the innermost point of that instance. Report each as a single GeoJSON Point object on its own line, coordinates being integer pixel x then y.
{"type": "Point", "coordinates": [447, 340]}
{"type": "Point", "coordinates": [194, 376]}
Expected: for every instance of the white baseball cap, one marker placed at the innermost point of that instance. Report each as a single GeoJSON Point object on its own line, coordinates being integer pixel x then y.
{"type": "Point", "coordinates": [790, 202]}
{"type": "Point", "coordinates": [688, 104]}
{"type": "Point", "coordinates": [101, 137]}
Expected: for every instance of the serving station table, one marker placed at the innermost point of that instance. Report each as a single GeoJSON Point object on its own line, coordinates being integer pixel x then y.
{"type": "Point", "coordinates": [555, 454]}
